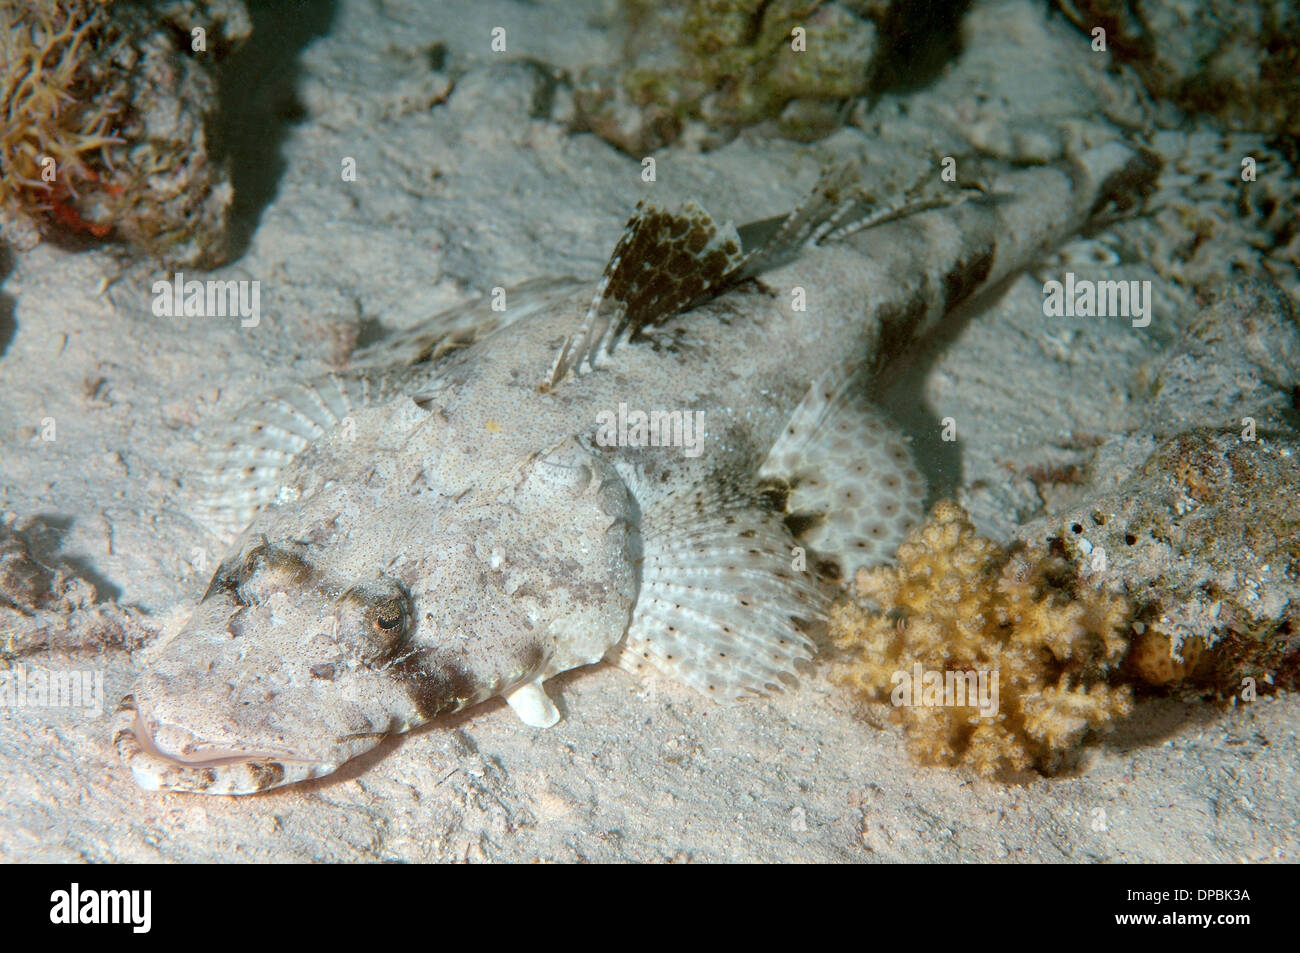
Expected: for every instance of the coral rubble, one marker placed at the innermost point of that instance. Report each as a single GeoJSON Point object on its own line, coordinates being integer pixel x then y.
{"type": "Point", "coordinates": [725, 64]}
{"type": "Point", "coordinates": [1235, 61]}
{"type": "Point", "coordinates": [46, 608]}
{"type": "Point", "coordinates": [1193, 515]}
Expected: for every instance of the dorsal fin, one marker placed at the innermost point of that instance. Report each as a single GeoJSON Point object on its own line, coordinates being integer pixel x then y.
{"type": "Point", "coordinates": [463, 325]}
{"type": "Point", "coordinates": [666, 263]}
{"type": "Point", "coordinates": [834, 196]}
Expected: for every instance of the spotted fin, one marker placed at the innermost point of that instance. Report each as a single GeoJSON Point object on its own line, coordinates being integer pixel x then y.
{"type": "Point", "coordinates": [721, 603]}
{"type": "Point", "coordinates": [664, 263]}
{"type": "Point", "coordinates": [852, 490]}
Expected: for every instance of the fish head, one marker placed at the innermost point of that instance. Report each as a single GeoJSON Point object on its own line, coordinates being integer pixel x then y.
{"type": "Point", "coordinates": [339, 619]}
{"type": "Point", "coordinates": [280, 674]}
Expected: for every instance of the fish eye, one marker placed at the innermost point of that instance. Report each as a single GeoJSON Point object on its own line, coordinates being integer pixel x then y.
{"type": "Point", "coordinates": [253, 560]}
{"type": "Point", "coordinates": [235, 571]}
{"type": "Point", "coordinates": [376, 620]}
{"type": "Point", "coordinates": [266, 569]}
{"type": "Point", "coordinates": [388, 617]}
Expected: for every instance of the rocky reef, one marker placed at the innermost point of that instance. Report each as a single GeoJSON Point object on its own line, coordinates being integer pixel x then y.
{"type": "Point", "coordinates": [106, 132]}
{"type": "Point", "coordinates": [1233, 61]}
{"type": "Point", "coordinates": [1193, 515]}
{"type": "Point", "coordinates": [47, 607]}
{"type": "Point", "coordinates": [708, 68]}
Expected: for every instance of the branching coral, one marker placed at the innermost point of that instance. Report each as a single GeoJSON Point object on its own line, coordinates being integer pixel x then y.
{"type": "Point", "coordinates": [962, 607]}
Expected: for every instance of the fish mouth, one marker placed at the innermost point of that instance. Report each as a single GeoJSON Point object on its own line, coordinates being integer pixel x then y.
{"type": "Point", "coordinates": [172, 759]}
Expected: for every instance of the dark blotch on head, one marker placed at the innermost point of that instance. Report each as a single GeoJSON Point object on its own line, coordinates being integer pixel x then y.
{"type": "Point", "coordinates": [531, 658]}
{"type": "Point", "coordinates": [436, 685]}
{"type": "Point", "coordinates": [224, 580]}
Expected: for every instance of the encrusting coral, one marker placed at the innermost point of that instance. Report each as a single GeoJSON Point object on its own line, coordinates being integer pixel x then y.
{"type": "Point", "coordinates": [104, 125]}
{"type": "Point", "coordinates": [726, 64]}
{"type": "Point", "coordinates": [53, 136]}
{"type": "Point", "coordinates": [965, 609]}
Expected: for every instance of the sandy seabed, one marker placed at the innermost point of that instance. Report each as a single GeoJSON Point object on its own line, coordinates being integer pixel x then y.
{"type": "Point", "coordinates": [466, 186]}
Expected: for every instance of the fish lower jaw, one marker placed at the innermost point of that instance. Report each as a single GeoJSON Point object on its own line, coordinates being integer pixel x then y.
{"type": "Point", "coordinates": [199, 771]}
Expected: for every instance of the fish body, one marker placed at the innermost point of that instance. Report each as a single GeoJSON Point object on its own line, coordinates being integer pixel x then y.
{"type": "Point", "coordinates": [649, 469]}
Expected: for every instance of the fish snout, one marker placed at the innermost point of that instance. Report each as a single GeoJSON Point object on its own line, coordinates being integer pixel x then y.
{"type": "Point", "coordinates": [172, 757]}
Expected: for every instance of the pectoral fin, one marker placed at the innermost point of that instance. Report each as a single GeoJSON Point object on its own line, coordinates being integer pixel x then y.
{"type": "Point", "coordinates": [722, 605]}
{"type": "Point", "coordinates": [533, 706]}
{"type": "Point", "coordinates": [853, 491]}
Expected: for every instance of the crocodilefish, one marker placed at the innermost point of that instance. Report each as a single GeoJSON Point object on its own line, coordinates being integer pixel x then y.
{"type": "Point", "coordinates": [669, 469]}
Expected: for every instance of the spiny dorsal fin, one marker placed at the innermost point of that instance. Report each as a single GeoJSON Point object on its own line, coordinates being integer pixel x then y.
{"type": "Point", "coordinates": [831, 199]}
{"type": "Point", "coordinates": [664, 264]}
{"type": "Point", "coordinates": [459, 327]}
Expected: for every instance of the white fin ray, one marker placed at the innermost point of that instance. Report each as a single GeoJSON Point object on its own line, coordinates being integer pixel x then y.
{"type": "Point", "coordinates": [720, 603]}
{"type": "Point", "coordinates": [466, 324]}
{"type": "Point", "coordinates": [246, 455]}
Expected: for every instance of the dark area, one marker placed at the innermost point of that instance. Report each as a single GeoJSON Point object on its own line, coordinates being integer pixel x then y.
{"type": "Point", "coordinates": [1127, 36]}
{"type": "Point", "coordinates": [919, 38]}
{"type": "Point", "coordinates": [44, 535]}
{"type": "Point", "coordinates": [900, 383]}
{"type": "Point", "coordinates": [259, 103]}
{"type": "Point", "coordinates": [8, 324]}
{"type": "Point", "coordinates": [436, 57]}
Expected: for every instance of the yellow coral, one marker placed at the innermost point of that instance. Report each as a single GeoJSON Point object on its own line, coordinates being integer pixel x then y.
{"type": "Point", "coordinates": [963, 607]}
{"type": "Point", "coordinates": [1154, 659]}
